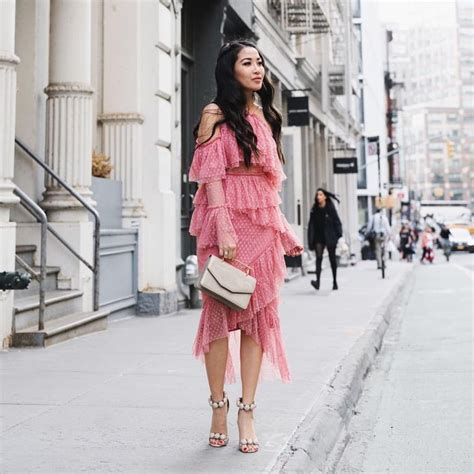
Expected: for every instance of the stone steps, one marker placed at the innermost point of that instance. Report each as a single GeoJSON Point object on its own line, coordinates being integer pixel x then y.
{"type": "Point", "coordinates": [63, 316]}
{"type": "Point", "coordinates": [61, 329]}
{"type": "Point", "coordinates": [58, 303]}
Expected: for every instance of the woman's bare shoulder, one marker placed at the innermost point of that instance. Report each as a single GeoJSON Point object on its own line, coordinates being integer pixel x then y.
{"type": "Point", "coordinates": [212, 107]}
{"type": "Point", "coordinates": [211, 114]}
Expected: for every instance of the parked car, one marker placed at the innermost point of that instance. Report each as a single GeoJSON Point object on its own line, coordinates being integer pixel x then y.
{"type": "Point", "coordinates": [461, 239]}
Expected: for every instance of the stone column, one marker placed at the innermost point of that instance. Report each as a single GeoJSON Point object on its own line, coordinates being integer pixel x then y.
{"type": "Point", "coordinates": [157, 270]}
{"type": "Point", "coordinates": [69, 140]}
{"type": "Point", "coordinates": [8, 62]}
{"type": "Point", "coordinates": [122, 118]}
{"type": "Point", "coordinates": [69, 109]}
{"type": "Point", "coordinates": [122, 141]}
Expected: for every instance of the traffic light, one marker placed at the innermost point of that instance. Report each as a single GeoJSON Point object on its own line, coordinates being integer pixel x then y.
{"type": "Point", "coordinates": [450, 148]}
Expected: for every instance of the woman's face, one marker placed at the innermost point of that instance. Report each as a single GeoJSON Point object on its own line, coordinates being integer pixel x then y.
{"type": "Point", "coordinates": [249, 70]}
{"type": "Point", "coordinates": [321, 198]}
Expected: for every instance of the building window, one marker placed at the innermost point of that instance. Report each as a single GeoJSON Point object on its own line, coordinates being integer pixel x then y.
{"type": "Point", "coordinates": [363, 209]}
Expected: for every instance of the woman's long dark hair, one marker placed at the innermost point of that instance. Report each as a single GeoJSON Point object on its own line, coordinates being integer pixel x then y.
{"type": "Point", "coordinates": [329, 199]}
{"type": "Point", "coordinates": [232, 102]}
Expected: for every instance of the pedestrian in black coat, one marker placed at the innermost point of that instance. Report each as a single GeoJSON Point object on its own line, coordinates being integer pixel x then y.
{"type": "Point", "coordinates": [324, 230]}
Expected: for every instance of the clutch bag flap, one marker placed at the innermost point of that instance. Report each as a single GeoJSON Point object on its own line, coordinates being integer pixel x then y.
{"type": "Point", "coordinates": [227, 283]}
{"type": "Point", "coordinates": [229, 277]}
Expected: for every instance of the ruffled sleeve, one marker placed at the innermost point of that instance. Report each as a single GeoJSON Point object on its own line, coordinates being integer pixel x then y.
{"type": "Point", "coordinates": [288, 238]}
{"type": "Point", "coordinates": [211, 223]}
{"type": "Point", "coordinates": [208, 162]}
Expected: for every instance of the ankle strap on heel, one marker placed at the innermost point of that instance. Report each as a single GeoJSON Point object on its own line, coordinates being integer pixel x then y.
{"type": "Point", "coordinates": [246, 406]}
{"type": "Point", "coordinates": [220, 403]}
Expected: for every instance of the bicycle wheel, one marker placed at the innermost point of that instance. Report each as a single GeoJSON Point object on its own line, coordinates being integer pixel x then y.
{"type": "Point", "coordinates": [382, 266]}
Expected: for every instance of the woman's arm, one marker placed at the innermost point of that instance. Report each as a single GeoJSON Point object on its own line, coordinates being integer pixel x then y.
{"type": "Point", "coordinates": [311, 232]}
{"type": "Point", "coordinates": [208, 132]}
{"type": "Point", "coordinates": [290, 242]}
{"type": "Point", "coordinates": [337, 223]}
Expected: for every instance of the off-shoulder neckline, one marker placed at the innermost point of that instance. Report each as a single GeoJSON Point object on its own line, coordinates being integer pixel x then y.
{"type": "Point", "coordinates": [253, 114]}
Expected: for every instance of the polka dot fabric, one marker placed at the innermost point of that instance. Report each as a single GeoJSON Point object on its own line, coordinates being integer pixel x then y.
{"type": "Point", "coordinates": [243, 205]}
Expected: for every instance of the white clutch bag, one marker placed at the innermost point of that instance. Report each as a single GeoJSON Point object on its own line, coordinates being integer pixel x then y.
{"type": "Point", "coordinates": [226, 283]}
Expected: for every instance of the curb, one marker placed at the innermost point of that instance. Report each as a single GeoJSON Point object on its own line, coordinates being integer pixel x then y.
{"type": "Point", "coordinates": [319, 440]}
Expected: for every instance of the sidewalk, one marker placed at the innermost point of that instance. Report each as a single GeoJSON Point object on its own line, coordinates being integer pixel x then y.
{"type": "Point", "coordinates": [132, 399]}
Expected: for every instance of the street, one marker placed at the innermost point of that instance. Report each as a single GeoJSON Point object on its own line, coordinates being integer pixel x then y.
{"type": "Point", "coordinates": [415, 413]}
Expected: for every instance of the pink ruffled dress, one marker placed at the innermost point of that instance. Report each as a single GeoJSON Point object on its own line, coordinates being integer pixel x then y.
{"type": "Point", "coordinates": [241, 205]}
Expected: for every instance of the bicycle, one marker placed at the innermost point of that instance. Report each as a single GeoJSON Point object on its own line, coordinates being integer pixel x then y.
{"type": "Point", "coordinates": [446, 244]}
{"type": "Point", "coordinates": [382, 260]}
{"type": "Point", "coordinates": [381, 241]}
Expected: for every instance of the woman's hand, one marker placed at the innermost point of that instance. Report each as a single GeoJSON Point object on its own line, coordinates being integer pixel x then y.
{"type": "Point", "coordinates": [228, 251]}
{"type": "Point", "coordinates": [294, 252]}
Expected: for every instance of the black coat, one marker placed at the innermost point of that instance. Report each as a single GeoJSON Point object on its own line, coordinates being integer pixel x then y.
{"type": "Point", "coordinates": [331, 230]}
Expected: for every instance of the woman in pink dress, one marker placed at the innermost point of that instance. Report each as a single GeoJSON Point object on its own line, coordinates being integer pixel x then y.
{"type": "Point", "coordinates": [238, 165]}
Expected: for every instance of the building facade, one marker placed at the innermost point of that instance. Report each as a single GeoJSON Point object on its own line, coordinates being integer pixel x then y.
{"type": "Point", "coordinates": [374, 112]}
{"type": "Point", "coordinates": [436, 120]}
{"type": "Point", "coordinates": [85, 87]}
{"type": "Point", "coordinates": [435, 165]}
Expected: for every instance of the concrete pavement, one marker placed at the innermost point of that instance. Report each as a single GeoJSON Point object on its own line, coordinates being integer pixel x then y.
{"type": "Point", "coordinates": [132, 399]}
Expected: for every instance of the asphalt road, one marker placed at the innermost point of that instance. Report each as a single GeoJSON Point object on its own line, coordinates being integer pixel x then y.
{"type": "Point", "coordinates": [415, 413]}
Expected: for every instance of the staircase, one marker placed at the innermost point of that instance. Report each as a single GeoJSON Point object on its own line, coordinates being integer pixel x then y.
{"type": "Point", "coordinates": [63, 317]}
{"type": "Point", "coordinates": [50, 315]}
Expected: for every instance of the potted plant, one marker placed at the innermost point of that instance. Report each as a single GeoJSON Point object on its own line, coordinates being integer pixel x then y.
{"type": "Point", "coordinates": [107, 192]}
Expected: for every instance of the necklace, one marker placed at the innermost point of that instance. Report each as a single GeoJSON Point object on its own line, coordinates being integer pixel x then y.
{"type": "Point", "coordinates": [252, 109]}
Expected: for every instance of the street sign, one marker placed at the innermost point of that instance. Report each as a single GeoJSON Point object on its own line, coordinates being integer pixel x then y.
{"type": "Point", "coordinates": [371, 149]}
{"type": "Point", "coordinates": [372, 145]}
{"type": "Point", "coordinates": [344, 165]}
{"type": "Point", "coordinates": [298, 111]}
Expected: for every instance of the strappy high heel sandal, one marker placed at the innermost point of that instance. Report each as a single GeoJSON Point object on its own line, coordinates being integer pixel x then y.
{"type": "Point", "coordinates": [247, 445]}
{"type": "Point", "coordinates": [218, 440]}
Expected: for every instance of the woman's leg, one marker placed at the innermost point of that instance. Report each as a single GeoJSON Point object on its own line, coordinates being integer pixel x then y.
{"type": "Point", "coordinates": [319, 259]}
{"type": "Point", "coordinates": [216, 361]}
{"type": "Point", "coordinates": [333, 261]}
{"type": "Point", "coordinates": [250, 363]}
{"type": "Point", "coordinates": [424, 253]}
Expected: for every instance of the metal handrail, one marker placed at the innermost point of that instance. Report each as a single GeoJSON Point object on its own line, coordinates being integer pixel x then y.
{"type": "Point", "coordinates": [30, 270]}
{"type": "Point", "coordinates": [36, 211]}
{"type": "Point", "coordinates": [95, 267]}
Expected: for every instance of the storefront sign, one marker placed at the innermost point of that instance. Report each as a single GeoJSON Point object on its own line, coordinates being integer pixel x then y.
{"type": "Point", "coordinates": [298, 111]}
{"type": "Point", "coordinates": [344, 165]}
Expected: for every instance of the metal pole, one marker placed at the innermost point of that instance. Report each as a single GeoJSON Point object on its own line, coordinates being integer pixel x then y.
{"type": "Point", "coordinates": [96, 264]}
{"type": "Point", "coordinates": [34, 209]}
{"type": "Point", "coordinates": [378, 170]}
{"type": "Point", "coordinates": [42, 302]}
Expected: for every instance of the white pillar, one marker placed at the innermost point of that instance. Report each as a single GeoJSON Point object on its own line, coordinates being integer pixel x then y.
{"type": "Point", "coordinates": [69, 109]}
{"type": "Point", "coordinates": [122, 142]}
{"type": "Point", "coordinates": [69, 140]}
{"type": "Point", "coordinates": [8, 62]}
{"type": "Point", "coordinates": [122, 118]}
{"type": "Point", "coordinates": [157, 269]}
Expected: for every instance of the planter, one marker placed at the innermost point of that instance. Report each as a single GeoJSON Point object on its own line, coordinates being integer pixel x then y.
{"type": "Point", "coordinates": [108, 195]}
